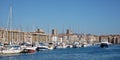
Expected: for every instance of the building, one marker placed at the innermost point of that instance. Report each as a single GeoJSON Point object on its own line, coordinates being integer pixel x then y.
{"type": "Point", "coordinates": [17, 36]}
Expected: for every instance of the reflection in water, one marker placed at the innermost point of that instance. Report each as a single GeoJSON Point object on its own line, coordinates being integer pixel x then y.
{"type": "Point", "coordinates": [88, 53]}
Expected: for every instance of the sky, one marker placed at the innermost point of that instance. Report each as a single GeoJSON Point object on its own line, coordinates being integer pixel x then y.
{"type": "Point", "coordinates": [81, 16]}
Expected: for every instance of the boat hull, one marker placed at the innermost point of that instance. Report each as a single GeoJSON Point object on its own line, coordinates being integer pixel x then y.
{"type": "Point", "coordinates": [41, 49]}
{"type": "Point", "coordinates": [29, 50]}
{"type": "Point", "coordinates": [10, 51]}
{"type": "Point", "coordinates": [104, 45]}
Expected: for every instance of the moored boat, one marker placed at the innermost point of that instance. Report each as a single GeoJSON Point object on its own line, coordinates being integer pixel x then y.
{"type": "Point", "coordinates": [51, 46]}
{"type": "Point", "coordinates": [42, 47]}
{"type": "Point", "coordinates": [104, 45]}
{"type": "Point", "coordinates": [29, 49]}
{"type": "Point", "coordinates": [11, 50]}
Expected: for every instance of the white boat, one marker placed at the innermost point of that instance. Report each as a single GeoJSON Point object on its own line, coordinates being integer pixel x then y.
{"type": "Point", "coordinates": [61, 45]}
{"type": "Point", "coordinates": [69, 46]}
{"type": "Point", "coordinates": [104, 44]}
{"type": "Point", "coordinates": [11, 50]}
{"type": "Point", "coordinates": [29, 49]}
{"type": "Point", "coordinates": [42, 47]}
{"type": "Point", "coordinates": [51, 46]}
{"type": "Point", "coordinates": [76, 45]}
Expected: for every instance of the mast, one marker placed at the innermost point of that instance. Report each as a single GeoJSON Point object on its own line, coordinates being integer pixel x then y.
{"type": "Point", "coordinates": [9, 26]}
{"type": "Point", "coordinates": [78, 32]}
{"type": "Point", "coordinates": [69, 35]}
{"type": "Point", "coordinates": [20, 33]}
{"type": "Point", "coordinates": [48, 32]}
{"type": "Point", "coordinates": [63, 34]}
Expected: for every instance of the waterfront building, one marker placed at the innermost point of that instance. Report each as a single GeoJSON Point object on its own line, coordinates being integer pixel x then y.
{"type": "Point", "coordinates": [2, 35]}
{"type": "Point", "coordinates": [114, 39]}
{"type": "Point", "coordinates": [92, 39]}
{"type": "Point", "coordinates": [69, 37]}
{"type": "Point", "coordinates": [103, 38]}
{"type": "Point", "coordinates": [54, 35]}
{"type": "Point", "coordinates": [39, 36]}
{"type": "Point", "coordinates": [69, 31]}
{"type": "Point", "coordinates": [9, 36]}
{"type": "Point", "coordinates": [17, 36]}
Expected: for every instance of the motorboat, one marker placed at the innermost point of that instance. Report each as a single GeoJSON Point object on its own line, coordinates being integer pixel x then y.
{"type": "Point", "coordinates": [104, 44]}
{"type": "Point", "coordinates": [42, 47]}
{"type": "Point", "coordinates": [61, 45]}
{"type": "Point", "coordinates": [29, 49]}
{"type": "Point", "coordinates": [51, 46]}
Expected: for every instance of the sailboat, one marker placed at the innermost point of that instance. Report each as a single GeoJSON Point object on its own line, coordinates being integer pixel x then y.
{"type": "Point", "coordinates": [10, 48]}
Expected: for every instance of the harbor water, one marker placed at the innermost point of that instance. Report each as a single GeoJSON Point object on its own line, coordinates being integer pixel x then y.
{"type": "Point", "coordinates": [87, 53]}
